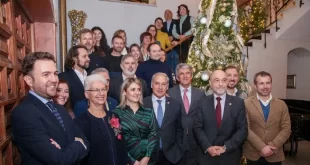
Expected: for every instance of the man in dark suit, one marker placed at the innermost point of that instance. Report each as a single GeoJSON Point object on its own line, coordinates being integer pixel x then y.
{"type": "Point", "coordinates": [220, 124]}
{"type": "Point", "coordinates": [168, 24]}
{"type": "Point", "coordinates": [82, 106]}
{"type": "Point", "coordinates": [169, 125]}
{"type": "Point", "coordinates": [42, 130]}
{"type": "Point", "coordinates": [129, 66]}
{"type": "Point", "coordinates": [188, 96]}
{"type": "Point", "coordinates": [76, 62]}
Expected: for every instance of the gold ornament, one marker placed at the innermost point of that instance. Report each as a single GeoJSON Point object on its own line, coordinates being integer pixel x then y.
{"type": "Point", "coordinates": [223, 9]}
{"type": "Point", "coordinates": [77, 19]}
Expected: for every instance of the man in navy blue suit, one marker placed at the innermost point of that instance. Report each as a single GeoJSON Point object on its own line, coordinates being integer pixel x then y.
{"type": "Point", "coordinates": [43, 131]}
{"type": "Point", "coordinates": [82, 106]}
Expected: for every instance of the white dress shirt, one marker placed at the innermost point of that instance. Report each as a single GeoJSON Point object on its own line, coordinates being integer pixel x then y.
{"type": "Point", "coordinates": [223, 99]}
{"type": "Point", "coordinates": [265, 103]}
{"type": "Point", "coordinates": [125, 77]}
{"type": "Point", "coordinates": [81, 76]}
{"type": "Point", "coordinates": [155, 104]}
{"type": "Point", "coordinates": [188, 93]}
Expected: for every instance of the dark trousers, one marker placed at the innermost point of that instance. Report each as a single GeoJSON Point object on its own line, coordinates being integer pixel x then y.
{"type": "Point", "coordinates": [161, 159]}
{"type": "Point", "coordinates": [262, 161]}
{"type": "Point", "coordinates": [189, 158]}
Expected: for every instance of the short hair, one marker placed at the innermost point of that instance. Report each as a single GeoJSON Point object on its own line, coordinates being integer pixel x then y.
{"type": "Point", "coordinates": [91, 78]}
{"type": "Point", "coordinates": [30, 59]}
{"type": "Point", "coordinates": [84, 31]}
{"type": "Point", "coordinates": [125, 57]}
{"type": "Point", "coordinates": [145, 34]}
{"type": "Point", "coordinates": [73, 53]}
{"type": "Point", "coordinates": [161, 74]}
{"type": "Point", "coordinates": [151, 44]}
{"type": "Point", "coordinates": [262, 74]}
{"type": "Point", "coordinates": [186, 8]}
{"type": "Point", "coordinates": [99, 70]}
{"type": "Point", "coordinates": [183, 66]}
{"type": "Point", "coordinates": [124, 87]}
{"type": "Point", "coordinates": [119, 37]}
{"type": "Point", "coordinates": [159, 18]}
{"type": "Point", "coordinates": [118, 32]}
{"type": "Point", "coordinates": [231, 67]}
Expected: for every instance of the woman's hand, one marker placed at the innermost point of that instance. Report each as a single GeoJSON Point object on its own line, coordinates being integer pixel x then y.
{"type": "Point", "coordinates": [144, 161]}
{"type": "Point", "coordinates": [137, 163]}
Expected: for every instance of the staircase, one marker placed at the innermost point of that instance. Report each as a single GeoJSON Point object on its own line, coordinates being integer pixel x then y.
{"type": "Point", "coordinates": [269, 52]}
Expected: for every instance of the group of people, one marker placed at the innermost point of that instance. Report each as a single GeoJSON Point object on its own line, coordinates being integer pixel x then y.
{"type": "Point", "coordinates": [116, 106]}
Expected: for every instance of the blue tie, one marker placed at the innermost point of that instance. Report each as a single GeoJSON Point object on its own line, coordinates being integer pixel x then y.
{"type": "Point", "coordinates": [53, 109]}
{"type": "Point", "coordinates": [160, 116]}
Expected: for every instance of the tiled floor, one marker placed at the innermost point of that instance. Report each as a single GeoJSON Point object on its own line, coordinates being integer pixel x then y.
{"type": "Point", "coordinates": [302, 157]}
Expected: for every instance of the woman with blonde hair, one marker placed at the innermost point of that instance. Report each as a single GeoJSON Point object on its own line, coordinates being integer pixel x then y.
{"type": "Point", "coordinates": [138, 123]}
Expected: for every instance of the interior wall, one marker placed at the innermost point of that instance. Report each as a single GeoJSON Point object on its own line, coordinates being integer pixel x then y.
{"type": "Point", "coordinates": [133, 18]}
{"type": "Point", "coordinates": [298, 64]}
{"type": "Point", "coordinates": [44, 35]}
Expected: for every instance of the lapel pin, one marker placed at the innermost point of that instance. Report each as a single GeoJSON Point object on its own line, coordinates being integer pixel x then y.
{"type": "Point", "coordinates": [168, 102]}
{"type": "Point", "coordinates": [230, 103]}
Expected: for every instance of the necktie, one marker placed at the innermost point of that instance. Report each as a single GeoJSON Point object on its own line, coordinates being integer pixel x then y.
{"type": "Point", "coordinates": [218, 112]}
{"type": "Point", "coordinates": [53, 109]}
{"type": "Point", "coordinates": [186, 101]}
{"type": "Point", "coordinates": [160, 116]}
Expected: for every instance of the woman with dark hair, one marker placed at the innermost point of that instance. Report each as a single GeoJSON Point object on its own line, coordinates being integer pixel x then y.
{"type": "Point", "coordinates": [101, 45]}
{"type": "Point", "coordinates": [135, 51]}
{"type": "Point", "coordinates": [145, 39]}
{"type": "Point", "coordinates": [181, 29]}
{"type": "Point", "coordinates": [152, 30]}
{"type": "Point", "coordinates": [62, 96]}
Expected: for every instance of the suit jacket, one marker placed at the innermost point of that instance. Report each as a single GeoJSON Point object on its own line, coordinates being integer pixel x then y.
{"type": "Point", "coordinates": [76, 88]}
{"type": "Point", "coordinates": [171, 131]}
{"type": "Point", "coordinates": [115, 87]}
{"type": "Point", "coordinates": [96, 61]}
{"type": "Point", "coordinates": [276, 130]}
{"type": "Point", "coordinates": [232, 133]}
{"type": "Point", "coordinates": [189, 141]}
{"type": "Point", "coordinates": [81, 106]}
{"type": "Point", "coordinates": [33, 125]}
{"type": "Point", "coordinates": [164, 29]}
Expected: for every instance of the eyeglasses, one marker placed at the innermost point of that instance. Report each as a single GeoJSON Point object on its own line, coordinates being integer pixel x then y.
{"type": "Point", "coordinates": [96, 91]}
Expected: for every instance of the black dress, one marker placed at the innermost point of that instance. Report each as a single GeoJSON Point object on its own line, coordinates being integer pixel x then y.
{"type": "Point", "coordinates": [105, 147]}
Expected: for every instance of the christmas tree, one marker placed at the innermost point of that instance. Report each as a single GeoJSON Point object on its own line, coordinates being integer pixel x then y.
{"type": "Point", "coordinates": [217, 42]}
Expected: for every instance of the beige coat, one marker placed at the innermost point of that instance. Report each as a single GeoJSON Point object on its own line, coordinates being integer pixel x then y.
{"type": "Point", "coordinates": [275, 131]}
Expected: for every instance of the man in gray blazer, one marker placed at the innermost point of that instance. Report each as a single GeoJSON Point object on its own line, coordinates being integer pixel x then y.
{"type": "Point", "coordinates": [188, 96]}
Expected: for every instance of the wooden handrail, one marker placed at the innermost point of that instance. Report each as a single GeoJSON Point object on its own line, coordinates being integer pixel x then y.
{"type": "Point", "coordinates": [180, 42]}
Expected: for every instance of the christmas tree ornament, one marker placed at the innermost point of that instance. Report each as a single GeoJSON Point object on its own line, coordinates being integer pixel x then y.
{"type": "Point", "coordinates": [227, 23]}
{"type": "Point", "coordinates": [203, 20]}
{"type": "Point", "coordinates": [204, 76]}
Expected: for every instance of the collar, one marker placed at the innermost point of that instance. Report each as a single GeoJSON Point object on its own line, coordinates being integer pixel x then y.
{"type": "Point", "coordinates": [154, 98]}
{"type": "Point", "coordinates": [125, 77]}
{"type": "Point", "coordinates": [223, 97]}
{"type": "Point", "coordinates": [44, 100]}
{"type": "Point", "coordinates": [169, 21]}
{"type": "Point", "coordinates": [78, 72]}
{"type": "Point", "coordinates": [267, 101]}
{"type": "Point", "coordinates": [189, 89]}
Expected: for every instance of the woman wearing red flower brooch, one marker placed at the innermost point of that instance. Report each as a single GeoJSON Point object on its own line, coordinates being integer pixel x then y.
{"type": "Point", "coordinates": [101, 127]}
{"type": "Point", "coordinates": [138, 123]}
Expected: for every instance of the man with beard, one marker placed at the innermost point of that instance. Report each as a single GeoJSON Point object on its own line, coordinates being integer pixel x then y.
{"type": "Point", "coordinates": [113, 60]}
{"type": "Point", "coordinates": [220, 124]}
{"type": "Point", "coordinates": [129, 66]}
{"type": "Point", "coordinates": [269, 124]}
{"type": "Point", "coordinates": [233, 79]}
{"type": "Point", "coordinates": [86, 38]}
{"type": "Point", "coordinates": [42, 130]}
{"type": "Point", "coordinates": [76, 63]}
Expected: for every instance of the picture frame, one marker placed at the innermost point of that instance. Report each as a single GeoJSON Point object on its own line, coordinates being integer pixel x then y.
{"type": "Point", "coordinates": [291, 82]}
{"type": "Point", "coordinates": [139, 2]}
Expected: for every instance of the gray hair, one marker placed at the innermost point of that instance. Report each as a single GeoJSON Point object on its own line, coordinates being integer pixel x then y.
{"type": "Point", "coordinates": [99, 70]}
{"type": "Point", "coordinates": [126, 56]}
{"type": "Point", "coordinates": [183, 66]}
{"type": "Point", "coordinates": [160, 73]}
{"type": "Point", "coordinates": [92, 78]}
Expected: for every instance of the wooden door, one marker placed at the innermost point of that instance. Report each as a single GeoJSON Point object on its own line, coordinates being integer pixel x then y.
{"type": "Point", "coordinates": [15, 42]}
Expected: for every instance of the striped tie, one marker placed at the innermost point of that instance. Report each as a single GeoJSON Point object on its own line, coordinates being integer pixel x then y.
{"type": "Point", "coordinates": [53, 109]}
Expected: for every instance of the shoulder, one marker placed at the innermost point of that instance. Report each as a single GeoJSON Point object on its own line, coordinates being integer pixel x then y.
{"type": "Point", "coordinates": [234, 99]}
{"type": "Point", "coordinates": [280, 103]}
{"type": "Point", "coordinates": [198, 90]}
{"type": "Point", "coordinates": [173, 102]}
{"type": "Point", "coordinates": [112, 100]}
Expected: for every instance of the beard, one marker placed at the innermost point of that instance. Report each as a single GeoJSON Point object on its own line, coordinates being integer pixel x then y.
{"type": "Point", "coordinates": [85, 66]}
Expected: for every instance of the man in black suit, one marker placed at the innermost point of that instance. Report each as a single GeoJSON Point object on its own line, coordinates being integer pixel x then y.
{"type": "Point", "coordinates": [168, 24]}
{"type": "Point", "coordinates": [76, 63]}
{"type": "Point", "coordinates": [169, 125]}
{"type": "Point", "coordinates": [220, 124]}
{"type": "Point", "coordinates": [129, 66]}
{"type": "Point", "coordinates": [188, 95]}
{"type": "Point", "coordinates": [42, 130]}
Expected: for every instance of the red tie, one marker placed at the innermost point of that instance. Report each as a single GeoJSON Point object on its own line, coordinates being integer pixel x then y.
{"type": "Point", "coordinates": [186, 101]}
{"type": "Point", "coordinates": [218, 112]}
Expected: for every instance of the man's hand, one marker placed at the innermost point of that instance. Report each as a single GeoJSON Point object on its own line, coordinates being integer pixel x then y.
{"type": "Point", "coordinates": [170, 38]}
{"type": "Point", "coordinates": [144, 161]}
{"type": "Point", "coordinates": [80, 140]}
{"type": "Point", "coordinates": [182, 36]}
{"type": "Point", "coordinates": [212, 151]}
{"type": "Point", "coordinates": [267, 151]}
{"type": "Point", "coordinates": [220, 150]}
{"type": "Point", "coordinates": [174, 42]}
{"type": "Point", "coordinates": [55, 143]}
